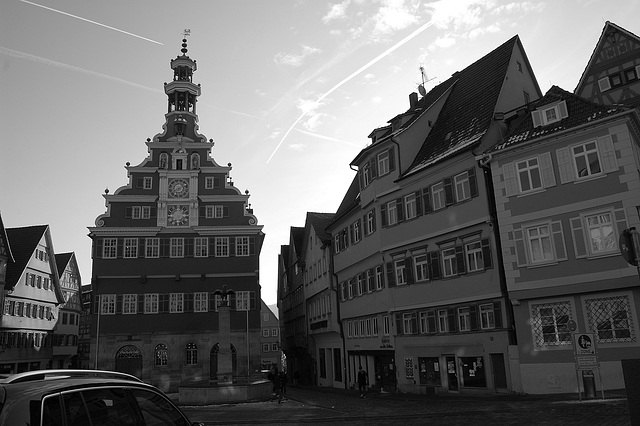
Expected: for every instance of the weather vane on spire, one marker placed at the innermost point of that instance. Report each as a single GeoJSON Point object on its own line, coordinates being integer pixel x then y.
{"type": "Point", "coordinates": [186, 32]}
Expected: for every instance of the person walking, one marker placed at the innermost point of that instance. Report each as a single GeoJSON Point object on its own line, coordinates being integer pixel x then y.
{"type": "Point", "coordinates": [283, 381]}
{"type": "Point", "coordinates": [362, 382]}
{"type": "Point", "coordinates": [277, 386]}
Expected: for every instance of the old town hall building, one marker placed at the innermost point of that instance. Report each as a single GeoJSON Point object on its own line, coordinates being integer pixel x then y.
{"type": "Point", "coordinates": [174, 239]}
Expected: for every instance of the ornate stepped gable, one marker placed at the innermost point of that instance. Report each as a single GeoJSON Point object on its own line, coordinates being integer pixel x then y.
{"type": "Point", "coordinates": [178, 186]}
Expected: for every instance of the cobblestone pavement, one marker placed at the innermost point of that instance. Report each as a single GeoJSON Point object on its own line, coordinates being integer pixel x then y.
{"type": "Point", "coordinates": [320, 406]}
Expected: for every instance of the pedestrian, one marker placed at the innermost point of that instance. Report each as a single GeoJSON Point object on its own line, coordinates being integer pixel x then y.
{"type": "Point", "coordinates": [283, 381]}
{"type": "Point", "coordinates": [277, 386]}
{"type": "Point", "coordinates": [362, 382]}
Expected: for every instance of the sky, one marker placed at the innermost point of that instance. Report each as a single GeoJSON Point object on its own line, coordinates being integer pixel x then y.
{"type": "Point", "coordinates": [291, 89]}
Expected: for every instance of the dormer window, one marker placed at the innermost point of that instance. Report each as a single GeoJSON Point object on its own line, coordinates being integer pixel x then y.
{"type": "Point", "coordinates": [549, 114]}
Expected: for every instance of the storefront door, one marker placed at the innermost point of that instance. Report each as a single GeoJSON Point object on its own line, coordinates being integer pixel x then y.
{"type": "Point", "coordinates": [452, 373]}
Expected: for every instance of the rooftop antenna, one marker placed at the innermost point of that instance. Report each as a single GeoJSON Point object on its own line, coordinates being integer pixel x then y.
{"type": "Point", "coordinates": [186, 32]}
{"type": "Point", "coordinates": [425, 79]}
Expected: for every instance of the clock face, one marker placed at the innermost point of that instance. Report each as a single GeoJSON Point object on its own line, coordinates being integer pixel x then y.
{"type": "Point", "coordinates": [178, 215]}
{"type": "Point", "coordinates": [178, 188]}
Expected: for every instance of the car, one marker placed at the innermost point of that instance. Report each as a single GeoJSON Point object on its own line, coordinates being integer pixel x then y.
{"type": "Point", "coordinates": [84, 398]}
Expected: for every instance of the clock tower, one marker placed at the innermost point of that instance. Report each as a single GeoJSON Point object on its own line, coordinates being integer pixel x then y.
{"type": "Point", "coordinates": [170, 239]}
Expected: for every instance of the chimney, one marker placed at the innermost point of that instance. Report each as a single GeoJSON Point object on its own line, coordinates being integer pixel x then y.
{"type": "Point", "coordinates": [413, 100]}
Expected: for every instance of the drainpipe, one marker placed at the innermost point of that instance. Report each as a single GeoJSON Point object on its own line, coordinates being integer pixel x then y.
{"type": "Point", "coordinates": [340, 325]}
{"type": "Point", "coordinates": [399, 164]}
{"type": "Point", "coordinates": [484, 161]}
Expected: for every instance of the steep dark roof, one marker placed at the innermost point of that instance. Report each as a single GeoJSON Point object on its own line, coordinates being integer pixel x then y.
{"type": "Point", "coordinates": [468, 111]}
{"type": "Point", "coordinates": [297, 236]}
{"type": "Point", "coordinates": [4, 237]}
{"type": "Point", "coordinates": [320, 221]}
{"type": "Point", "coordinates": [580, 110]}
{"type": "Point", "coordinates": [23, 243]}
{"type": "Point", "coordinates": [62, 260]}
{"type": "Point", "coordinates": [349, 200]}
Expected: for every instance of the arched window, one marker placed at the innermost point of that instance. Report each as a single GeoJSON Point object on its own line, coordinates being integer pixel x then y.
{"type": "Point", "coordinates": [161, 355]}
{"type": "Point", "coordinates": [191, 354]}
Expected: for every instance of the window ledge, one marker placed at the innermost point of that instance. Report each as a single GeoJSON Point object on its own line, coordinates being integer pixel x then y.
{"type": "Point", "coordinates": [531, 192]}
{"type": "Point", "coordinates": [603, 255]}
{"type": "Point", "coordinates": [589, 178]}
{"type": "Point", "coordinates": [543, 264]}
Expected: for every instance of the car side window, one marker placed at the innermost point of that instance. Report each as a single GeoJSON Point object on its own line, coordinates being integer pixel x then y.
{"type": "Point", "coordinates": [51, 412]}
{"type": "Point", "coordinates": [158, 410]}
{"type": "Point", "coordinates": [104, 407]}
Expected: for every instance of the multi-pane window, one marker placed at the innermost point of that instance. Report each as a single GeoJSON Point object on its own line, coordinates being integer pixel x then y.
{"type": "Point", "coordinates": [474, 256]}
{"type": "Point", "coordinates": [408, 321]}
{"type": "Point", "coordinates": [152, 247]}
{"type": "Point", "coordinates": [130, 248]}
{"type": "Point", "coordinates": [129, 303]}
{"type": "Point", "coordinates": [462, 186]}
{"type": "Point", "coordinates": [421, 266]}
{"type": "Point", "coordinates": [274, 332]}
{"type": "Point", "coordinates": [379, 278]}
{"type": "Point", "coordinates": [438, 196]}
{"type": "Point", "coordinates": [392, 212]}
{"type": "Point", "coordinates": [242, 300]}
{"type": "Point", "coordinates": [242, 246]}
{"type": "Point", "coordinates": [410, 206]}
{"type": "Point", "coordinates": [265, 332]}
{"type": "Point", "coordinates": [449, 262]}
{"type": "Point", "coordinates": [350, 285]}
{"type": "Point", "coordinates": [464, 321]}
{"type": "Point", "coordinates": [146, 212]}
{"type": "Point", "coordinates": [151, 303]}
{"type": "Point", "coordinates": [343, 287]}
{"type": "Point", "coordinates": [201, 246]}
{"type": "Point", "coordinates": [423, 322]}
{"type": "Point", "coordinates": [274, 347]}
{"type": "Point", "coordinates": [200, 302]}
{"type": "Point", "coordinates": [191, 354]}
{"type": "Point", "coordinates": [110, 248]}
{"type": "Point", "coordinates": [602, 238]}
{"type": "Point", "coordinates": [357, 232]}
{"type": "Point", "coordinates": [161, 355]}
{"type": "Point", "coordinates": [610, 317]}
{"type": "Point", "coordinates": [265, 347]}
{"type": "Point", "coordinates": [550, 114]}
{"type": "Point", "coordinates": [370, 224]}
{"type": "Point", "coordinates": [529, 174]}
{"type": "Point", "coordinates": [368, 326]}
{"type": "Point", "coordinates": [539, 240]}
{"type": "Point", "coordinates": [136, 212]}
{"type": "Point", "coordinates": [222, 246]}
{"type": "Point", "coordinates": [208, 212]}
{"type": "Point", "coordinates": [366, 175]}
{"type": "Point", "coordinates": [218, 211]}
{"type": "Point", "coordinates": [147, 183]}
{"type": "Point", "coordinates": [107, 304]}
{"type": "Point", "coordinates": [443, 321]}
{"type": "Point", "coordinates": [361, 282]}
{"type": "Point", "coordinates": [587, 160]}
{"type": "Point", "coordinates": [400, 272]}
{"type": "Point", "coordinates": [487, 317]}
{"type": "Point", "coordinates": [386, 325]}
{"type": "Point", "coordinates": [176, 303]}
{"type": "Point", "coordinates": [208, 182]}
{"type": "Point", "coordinates": [374, 326]}
{"type": "Point", "coordinates": [549, 323]}
{"type": "Point", "coordinates": [383, 163]}
{"type": "Point", "coordinates": [176, 247]}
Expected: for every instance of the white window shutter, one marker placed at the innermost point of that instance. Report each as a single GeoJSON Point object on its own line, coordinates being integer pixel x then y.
{"type": "Point", "coordinates": [579, 241]}
{"type": "Point", "coordinates": [510, 180]}
{"type": "Point", "coordinates": [608, 154]}
{"type": "Point", "coordinates": [565, 165]}
{"type": "Point", "coordinates": [604, 84]}
{"type": "Point", "coordinates": [558, 240]}
{"type": "Point", "coordinates": [519, 246]}
{"type": "Point", "coordinates": [537, 119]}
{"type": "Point", "coordinates": [562, 109]}
{"type": "Point", "coordinates": [546, 170]}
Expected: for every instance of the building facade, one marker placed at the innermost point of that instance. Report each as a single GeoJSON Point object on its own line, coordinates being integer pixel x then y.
{"type": "Point", "coordinates": [270, 352]}
{"type": "Point", "coordinates": [423, 300]}
{"type": "Point", "coordinates": [172, 241]}
{"type": "Point", "coordinates": [567, 188]}
{"type": "Point", "coordinates": [321, 298]}
{"type": "Point", "coordinates": [32, 299]}
{"type": "Point", "coordinates": [65, 335]}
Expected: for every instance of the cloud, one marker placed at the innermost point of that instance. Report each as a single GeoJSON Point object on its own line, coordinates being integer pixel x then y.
{"type": "Point", "coordinates": [296, 147]}
{"type": "Point", "coordinates": [314, 121]}
{"type": "Point", "coordinates": [477, 32]}
{"type": "Point", "coordinates": [393, 16]}
{"type": "Point", "coordinates": [295, 60]}
{"type": "Point", "coordinates": [337, 11]}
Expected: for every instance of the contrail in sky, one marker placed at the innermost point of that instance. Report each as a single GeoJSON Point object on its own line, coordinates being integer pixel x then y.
{"type": "Point", "coordinates": [352, 75]}
{"type": "Point", "coordinates": [92, 22]}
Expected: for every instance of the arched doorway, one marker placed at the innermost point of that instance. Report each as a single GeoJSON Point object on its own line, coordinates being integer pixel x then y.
{"type": "Point", "coordinates": [129, 360]}
{"type": "Point", "coordinates": [213, 360]}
